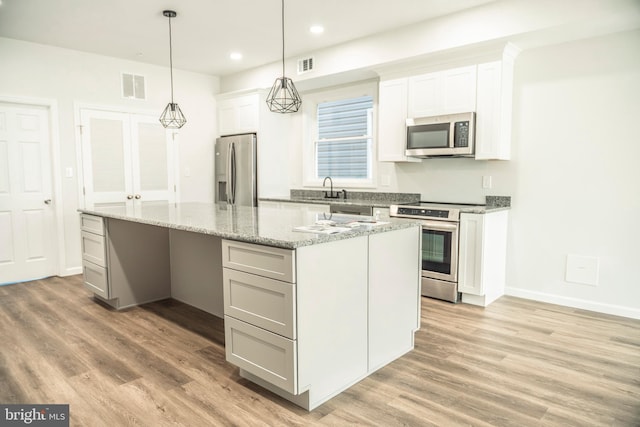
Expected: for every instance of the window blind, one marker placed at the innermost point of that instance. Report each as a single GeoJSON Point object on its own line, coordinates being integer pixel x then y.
{"type": "Point", "coordinates": [343, 148]}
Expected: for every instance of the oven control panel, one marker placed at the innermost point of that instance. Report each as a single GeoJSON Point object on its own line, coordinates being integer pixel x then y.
{"type": "Point", "coordinates": [422, 212]}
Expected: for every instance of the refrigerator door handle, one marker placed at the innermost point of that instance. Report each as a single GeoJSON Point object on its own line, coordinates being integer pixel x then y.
{"type": "Point", "coordinates": [232, 172]}
{"type": "Point", "coordinates": [228, 176]}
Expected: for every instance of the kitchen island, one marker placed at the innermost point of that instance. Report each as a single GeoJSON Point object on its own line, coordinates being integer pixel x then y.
{"type": "Point", "coordinates": [306, 314]}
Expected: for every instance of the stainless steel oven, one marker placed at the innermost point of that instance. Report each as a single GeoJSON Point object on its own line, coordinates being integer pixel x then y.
{"type": "Point", "coordinates": [440, 229]}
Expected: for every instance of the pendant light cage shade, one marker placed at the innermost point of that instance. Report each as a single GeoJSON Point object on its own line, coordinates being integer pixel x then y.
{"type": "Point", "coordinates": [283, 96]}
{"type": "Point", "coordinates": [172, 117]}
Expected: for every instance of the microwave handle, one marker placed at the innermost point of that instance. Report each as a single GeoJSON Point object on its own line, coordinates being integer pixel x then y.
{"type": "Point", "coordinates": [452, 134]}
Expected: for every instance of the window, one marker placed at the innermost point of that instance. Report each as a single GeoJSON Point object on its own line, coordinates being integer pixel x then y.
{"type": "Point", "coordinates": [343, 143]}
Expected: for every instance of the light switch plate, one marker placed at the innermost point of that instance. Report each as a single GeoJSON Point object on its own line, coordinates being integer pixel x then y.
{"type": "Point", "coordinates": [486, 181]}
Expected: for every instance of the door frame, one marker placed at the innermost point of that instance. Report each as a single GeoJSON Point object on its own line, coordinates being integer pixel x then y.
{"type": "Point", "coordinates": [56, 182]}
{"type": "Point", "coordinates": [79, 106]}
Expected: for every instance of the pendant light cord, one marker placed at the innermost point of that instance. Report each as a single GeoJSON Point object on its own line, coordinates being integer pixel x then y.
{"type": "Point", "coordinates": [171, 59]}
{"type": "Point", "coordinates": [283, 39]}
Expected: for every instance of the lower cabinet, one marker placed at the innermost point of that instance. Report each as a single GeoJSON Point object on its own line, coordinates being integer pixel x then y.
{"type": "Point", "coordinates": [308, 323]}
{"type": "Point", "coordinates": [260, 312]}
{"type": "Point", "coordinates": [482, 262]}
{"type": "Point", "coordinates": [94, 254]}
{"type": "Point", "coordinates": [95, 278]}
{"type": "Point", "coordinates": [125, 263]}
{"type": "Point", "coordinates": [269, 356]}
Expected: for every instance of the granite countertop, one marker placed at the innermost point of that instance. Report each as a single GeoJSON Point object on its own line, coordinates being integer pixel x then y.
{"type": "Point", "coordinates": [384, 200]}
{"type": "Point", "coordinates": [364, 198]}
{"type": "Point", "coordinates": [316, 201]}
{"type": "Point", "coordinates": [261, 225]}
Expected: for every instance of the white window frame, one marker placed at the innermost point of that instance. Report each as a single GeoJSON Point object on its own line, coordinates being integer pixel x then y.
{"type": "Point", "coordinates": [310, 103]}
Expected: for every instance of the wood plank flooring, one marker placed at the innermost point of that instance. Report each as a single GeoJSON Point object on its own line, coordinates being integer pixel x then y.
{"type": "Point", "coordinates": [515, 363]}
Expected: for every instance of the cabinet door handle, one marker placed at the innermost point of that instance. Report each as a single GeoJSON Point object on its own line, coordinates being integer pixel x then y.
{"type": "Point", "coordinates": [47, 202]}
{"type": "Point", "coordinates": [129, 196]}
{"type": "Point", "coordinates": [138, 196]}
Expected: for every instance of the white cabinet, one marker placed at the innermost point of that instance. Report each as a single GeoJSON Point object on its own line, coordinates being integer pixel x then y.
{"type": "Point", "coordinates": [392, 116]}
{"type": "Point", "coordinates": [494, 106]}
{"type": "Point", "coordinates": [443, 92]}
{"type": "Point", "coordinates": [431, 94]}
{"type": "Point", "coordinates": [238, 114]}
{"type": "Point", "coordinates": [485, 88]}
{"type": "Point", "coordinates": [482, 260]}
{"type": "Point", "coordinates": [94, 254]}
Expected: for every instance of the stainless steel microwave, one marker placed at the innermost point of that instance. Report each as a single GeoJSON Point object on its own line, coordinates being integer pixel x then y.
{"type": "Point", "coordinates": [447, 135]}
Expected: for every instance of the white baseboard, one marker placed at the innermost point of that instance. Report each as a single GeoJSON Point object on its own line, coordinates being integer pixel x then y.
{"type": "Point", "coordinates": [71, 271]}
{"type": "Point", "coordinates": [616, 310]}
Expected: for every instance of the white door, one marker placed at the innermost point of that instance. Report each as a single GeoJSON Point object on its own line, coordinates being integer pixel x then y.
{"type": "Point", "coordinates": [27, 233]}
{"type": "Point", "coordinates": [127, 160]}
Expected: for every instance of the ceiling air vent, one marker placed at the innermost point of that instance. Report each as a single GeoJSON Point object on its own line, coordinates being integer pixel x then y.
{"type": "Point", "coordinates": [133, 86]}
{"type": "Point", "coordinates": [305, 65]}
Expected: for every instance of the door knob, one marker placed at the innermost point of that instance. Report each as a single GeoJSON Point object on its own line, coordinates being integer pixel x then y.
{"type": "Point", "coordinates": [138, 196]}
{"type": "Point", "coordinates": [129, 196]}
{"type": "Point", "coordinates": [47, 202]}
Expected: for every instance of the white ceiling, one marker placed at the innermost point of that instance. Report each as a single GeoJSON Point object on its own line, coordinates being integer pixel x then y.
{"type": "Point", "coordinates": [205, 32]}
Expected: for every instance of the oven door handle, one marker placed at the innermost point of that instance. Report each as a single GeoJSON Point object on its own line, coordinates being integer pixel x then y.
{"type": "Point", "coordinates": [440, 225]}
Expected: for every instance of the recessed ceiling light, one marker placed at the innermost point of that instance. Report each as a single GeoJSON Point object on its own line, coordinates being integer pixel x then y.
{"type": "Point", "coordinates": [317, 29]}
{"type": "Point", "coordinates": [236, 56]}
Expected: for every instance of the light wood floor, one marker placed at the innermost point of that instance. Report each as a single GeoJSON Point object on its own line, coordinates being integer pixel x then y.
{"type": "Point", "coordinates": [517, 362]}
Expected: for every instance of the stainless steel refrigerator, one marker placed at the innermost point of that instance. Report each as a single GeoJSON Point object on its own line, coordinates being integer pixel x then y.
{"type": "Point", "coordinates": [235, 170]}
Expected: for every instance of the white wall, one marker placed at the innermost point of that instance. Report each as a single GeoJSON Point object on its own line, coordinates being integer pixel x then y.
{"type": "Point", "coordinates": [70, 78]}
{"type": "Point", "coordinates": [574, 177]}
{"type": "Point", "coordinates": [576, 174]}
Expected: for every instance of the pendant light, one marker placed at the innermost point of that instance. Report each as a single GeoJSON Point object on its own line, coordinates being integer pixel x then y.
{"type": "Point", "coordinates": [172, 116]}
{"type": "Point", "coordinates": [283, 96]}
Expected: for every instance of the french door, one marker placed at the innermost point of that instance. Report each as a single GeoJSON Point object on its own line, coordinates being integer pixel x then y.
{"type": "Point", "coordinates": [127, 160]}
{"type": "Point", "coordinates": [27, 226]}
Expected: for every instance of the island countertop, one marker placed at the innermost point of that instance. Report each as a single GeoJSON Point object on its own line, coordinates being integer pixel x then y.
{"type": "Point", "coordinates": [261, 225]}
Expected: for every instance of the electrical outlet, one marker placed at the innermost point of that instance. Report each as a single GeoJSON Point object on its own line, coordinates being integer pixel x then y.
{"type": "Point", "coordinates": [486, 181]}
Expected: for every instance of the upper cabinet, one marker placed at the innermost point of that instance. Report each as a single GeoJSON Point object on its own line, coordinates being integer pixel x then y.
{"type": "Point", "coordinates": [442, 92]}
{"type": "Point", "coordinates": [239, 114]}
{"type": "Point", "coordinates": [494, 106]}
{"type": "Point", "coordinates": [392, 116]}
{"type": "Point", "coordinates": [484, 88]}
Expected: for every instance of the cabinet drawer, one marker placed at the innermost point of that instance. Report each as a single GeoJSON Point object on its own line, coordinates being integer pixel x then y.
{"type": "Point", "coordinates": [93, 248]}
{"type": "Point", "coordinates": [264, 302]}
{"type": "Point", "coordinates": [275, 263]}
{"type": "Point", "coordinates": [92, 224]}
{"type": "Point", "coordinates": [95, 279]}
{"type": "Point", "coordinates": [262, 353]}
